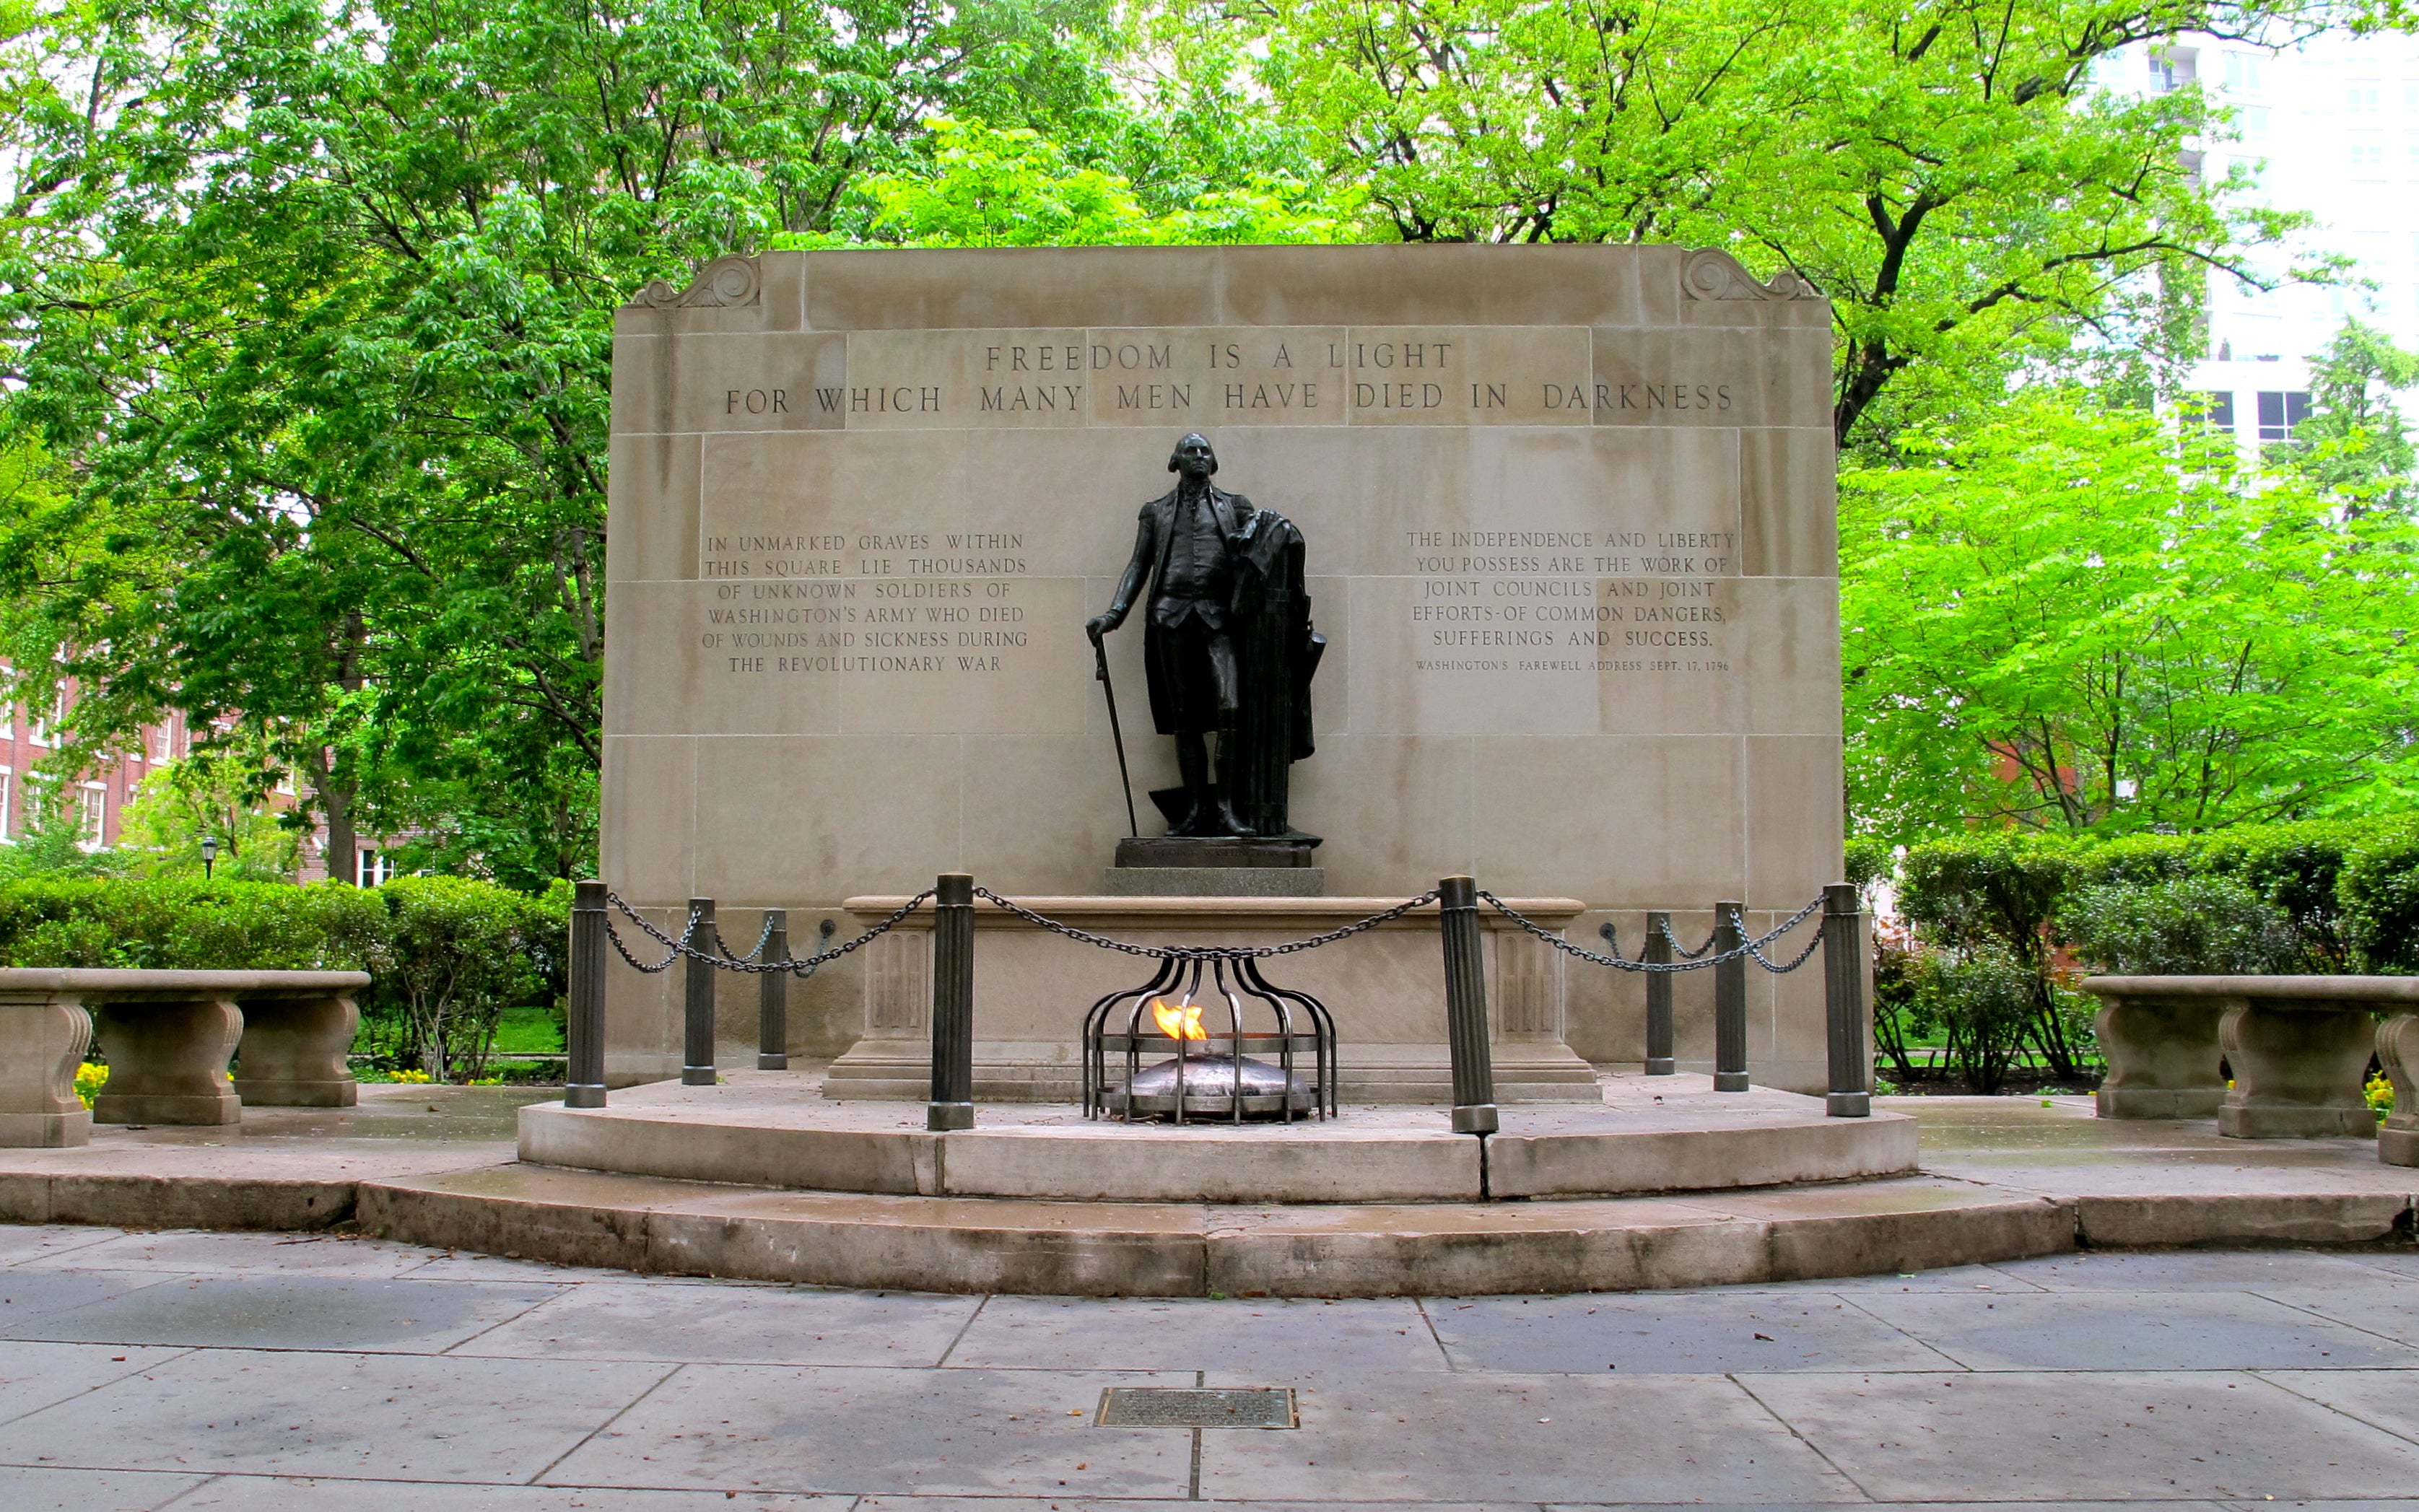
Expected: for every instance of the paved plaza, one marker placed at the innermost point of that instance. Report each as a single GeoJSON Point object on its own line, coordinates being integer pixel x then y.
{"type": "Point", "coordinates": [208, 1370]}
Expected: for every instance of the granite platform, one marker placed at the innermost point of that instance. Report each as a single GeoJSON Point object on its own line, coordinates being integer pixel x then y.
{"type": "Point", "coordinates": [1998, 1179]}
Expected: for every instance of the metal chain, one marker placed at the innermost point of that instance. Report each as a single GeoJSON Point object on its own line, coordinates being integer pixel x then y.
{"type": "Point", "coordinates": [1681, 950]}
{"type": "Point", "coordinates": [682, 947]}
{"type": "Point", "coordinates": [620, 949]}
{"type": "Point", "coordinates": [1208, 953]}
{"type": "Point", "coordinates": [1753, 948]}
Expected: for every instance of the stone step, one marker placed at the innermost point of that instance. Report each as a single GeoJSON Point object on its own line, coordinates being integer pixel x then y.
{"type": "Point", "coordinates": [1175, 1249]}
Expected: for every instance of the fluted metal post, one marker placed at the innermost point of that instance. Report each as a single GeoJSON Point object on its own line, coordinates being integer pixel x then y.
{"type": "Point", "coordinates": [1465, 1008]}
{"type": "Point", "coordinates": [1843, 1003]}
{"type": "Point", "coordinates": [1659, 1056]}
{"type": "Point", "coordinates": [697, 1038]}
{"type": "Point", "coordinates": [953, 1003]}
{"type": "Point", "coordinates": [1730, 998]}
{"type": "Point", "coordinates": [583, 1026]}
{"type": "Point", "coordinates": [773, 995]}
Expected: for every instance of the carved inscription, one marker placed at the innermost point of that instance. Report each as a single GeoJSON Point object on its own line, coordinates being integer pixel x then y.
{"type": "Point", "coordinates": [867, 603]}
{"type": "Point", "coordinates": [1290, 376]}
{"type": "Point", "coordinates": [1606, 600]}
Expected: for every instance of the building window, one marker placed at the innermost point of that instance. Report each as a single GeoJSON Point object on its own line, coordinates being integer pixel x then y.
{"type": "Point", "coordinates": [2173, 68]}
{"type": "Point", "coordinates": [2360, 96]}
{"type": "Point", "coordinates": [2367, 155]}
{"type": "Point", "coordinates": [2280, 413]}
{"type": "Point", "coordinates": [92, 815]}
{"type": "Point", "coordinates": [2217, 409]}
{"type": "Point", "coordinates": [40, 728]}
{"type": "Point", "coordinates": [7, 791]}
{"type": "Point", "coordinates": [373, 867]}
{"type": "Point", "coordinates": [164, 744]}
{"type": "Point", "coordinates": [2242, 71]}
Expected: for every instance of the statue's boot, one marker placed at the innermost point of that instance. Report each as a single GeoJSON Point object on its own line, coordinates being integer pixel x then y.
{"type": "Point", "coordinates": [1202, 817]}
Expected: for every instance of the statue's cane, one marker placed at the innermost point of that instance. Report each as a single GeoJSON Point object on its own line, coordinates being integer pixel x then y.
{"type": "Point", "coordinates": [1101, 671]}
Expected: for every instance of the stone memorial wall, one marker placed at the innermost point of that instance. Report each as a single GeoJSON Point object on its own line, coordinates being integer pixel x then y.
{"type": "Point", "coordinates": [1570, 513]}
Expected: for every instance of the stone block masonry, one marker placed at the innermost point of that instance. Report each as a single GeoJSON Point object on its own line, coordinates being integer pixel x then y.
{"type": "Point", "coordinates": [1570, 524]}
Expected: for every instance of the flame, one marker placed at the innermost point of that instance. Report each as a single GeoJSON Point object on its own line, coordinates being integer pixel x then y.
{"type": "Point", "coordinates": [1182, 1022]}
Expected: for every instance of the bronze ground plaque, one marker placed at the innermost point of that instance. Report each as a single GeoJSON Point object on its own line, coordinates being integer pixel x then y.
{"type": "Point", "coordinates": [1189, 1407]}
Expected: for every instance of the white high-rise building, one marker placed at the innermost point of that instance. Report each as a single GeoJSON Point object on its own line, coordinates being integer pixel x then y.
{"type": "Point", "coordinates": [2330, 128]}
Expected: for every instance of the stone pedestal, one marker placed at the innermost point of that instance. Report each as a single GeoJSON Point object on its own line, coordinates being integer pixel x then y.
{"type": "Point", "coordinates": [168, 1060]}
{"type": "Point", "coordinates": [2397, 1047]}
{"type": "Point", "coordinates": [1385, 987]}
{"type": "Point", "coordinates": [293, 1053]}
{"type": "Point", "coordinates": [2163, 1057]}
{"type": "Point", "coordinates": [2298, 1068]}
{"type": "Point", "coordinates": [43, 1035]}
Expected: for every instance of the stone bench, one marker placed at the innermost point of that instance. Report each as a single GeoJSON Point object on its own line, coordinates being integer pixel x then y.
{"type": "Point", "coordinates": [169, 1036]}
{"type": "Point", "coordinates": [2298, 1048]}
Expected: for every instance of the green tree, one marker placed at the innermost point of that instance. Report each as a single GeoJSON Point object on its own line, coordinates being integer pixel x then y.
{"type": "Point", "coordinates": [318, 300]}
{"type": "Point", "coordinates": [1949, 174]}
{"type": "Point", "coordinates": [2355, 444]}
{"type": "Point", "coordinates": [987, 186]}
{"type": "Point", "coordinates": [216, 794]}
{"type": "Point", "coordinates": [2075, 618]}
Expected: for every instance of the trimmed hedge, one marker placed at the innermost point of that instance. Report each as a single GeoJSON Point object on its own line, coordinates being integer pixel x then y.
{"type": "Point", "coordinates": [446, 955]}
{"type": "Point", "coordinates": [190, 926]}
{"type": "Point", "coordinates": [2319, 897]}
{"type": "Point", "coordinates": [2349, 891]}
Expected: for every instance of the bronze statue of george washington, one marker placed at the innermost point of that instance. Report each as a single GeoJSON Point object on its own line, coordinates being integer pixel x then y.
{"type": "Point", "coordinates": [1229, 647]}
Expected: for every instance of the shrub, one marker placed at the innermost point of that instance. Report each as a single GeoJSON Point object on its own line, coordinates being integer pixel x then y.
{"type": "Point", "coordinates": [460, 952]}
{"type": "Point", "coordinates": [2135, 860]}
{"type": "Point", "coordinates": [1895, 1009]}
{"type": "Point", "coordinates": [1985, 1002]}
{"type": "Point", "coordinates": [2187, 926]}
{"type": "Point", "coordinates": [1996, 897]}
{"type": "Point", "coordinates": [2378, 891]}
{"type": "Point", "coordinates": [2297, 867]}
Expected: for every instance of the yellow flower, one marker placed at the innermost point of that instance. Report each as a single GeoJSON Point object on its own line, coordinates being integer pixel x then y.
{"type": "Point", "coordinates": [89, 1079]}
{"type": "Point", "coordinates": [2381, 1095]}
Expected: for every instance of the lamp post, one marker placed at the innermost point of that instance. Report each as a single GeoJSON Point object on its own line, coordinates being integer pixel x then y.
{"type": "Point", "coordinates": [209, 855]}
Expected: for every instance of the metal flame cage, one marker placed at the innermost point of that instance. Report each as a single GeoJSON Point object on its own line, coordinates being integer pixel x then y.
{"type": "Point", "coordinates": [1213, 1076]}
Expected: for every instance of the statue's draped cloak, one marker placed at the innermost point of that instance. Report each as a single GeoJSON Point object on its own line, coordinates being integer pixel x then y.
{"type": "Point", "coordinates": [1276, 652]}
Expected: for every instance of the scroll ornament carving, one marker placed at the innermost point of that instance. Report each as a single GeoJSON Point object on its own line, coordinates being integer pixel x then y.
{"type": "Point", "coordinates": [724, 284]}
{"type": "Point", "coordinates": [1711, 274]}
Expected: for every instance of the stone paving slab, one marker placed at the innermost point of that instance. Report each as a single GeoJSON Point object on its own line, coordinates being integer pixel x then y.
{"type": "Point", "coordinates": [2387, 1399]}
{"type": "Point", "coordinates": [1663, 1335]}
{"type": "Point", "coordinates": [397, 1416]}
{"type": "Point", "coordinates": [34, 1376]}
{"type": "Point", "coordinates": [2201, 1271]}
{"type": "Point", "coordinates": [293, 1312]}
{"type": "Point", "coordinates": [968, 1432]}
{"type": "Point", "coordinates": [1539, 1439]}
{"type": "Point", "coordinates": [1273, 1335]}
{"type": "Point", "coordinates": [27, 1294]}
{"type": "Point", "coordinates": [626, 1320]}
{"type": "Point", "coordinates": [2066, 1436]}
{"type": "Point", "coordinates": [188, 1252]}
{"type": "Point", "coordinates": [2137, 1331]}
{"type": "Point", "coordinates": [262, 1493]}
{"type": "Point", "coordinates": [90, 1491]}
